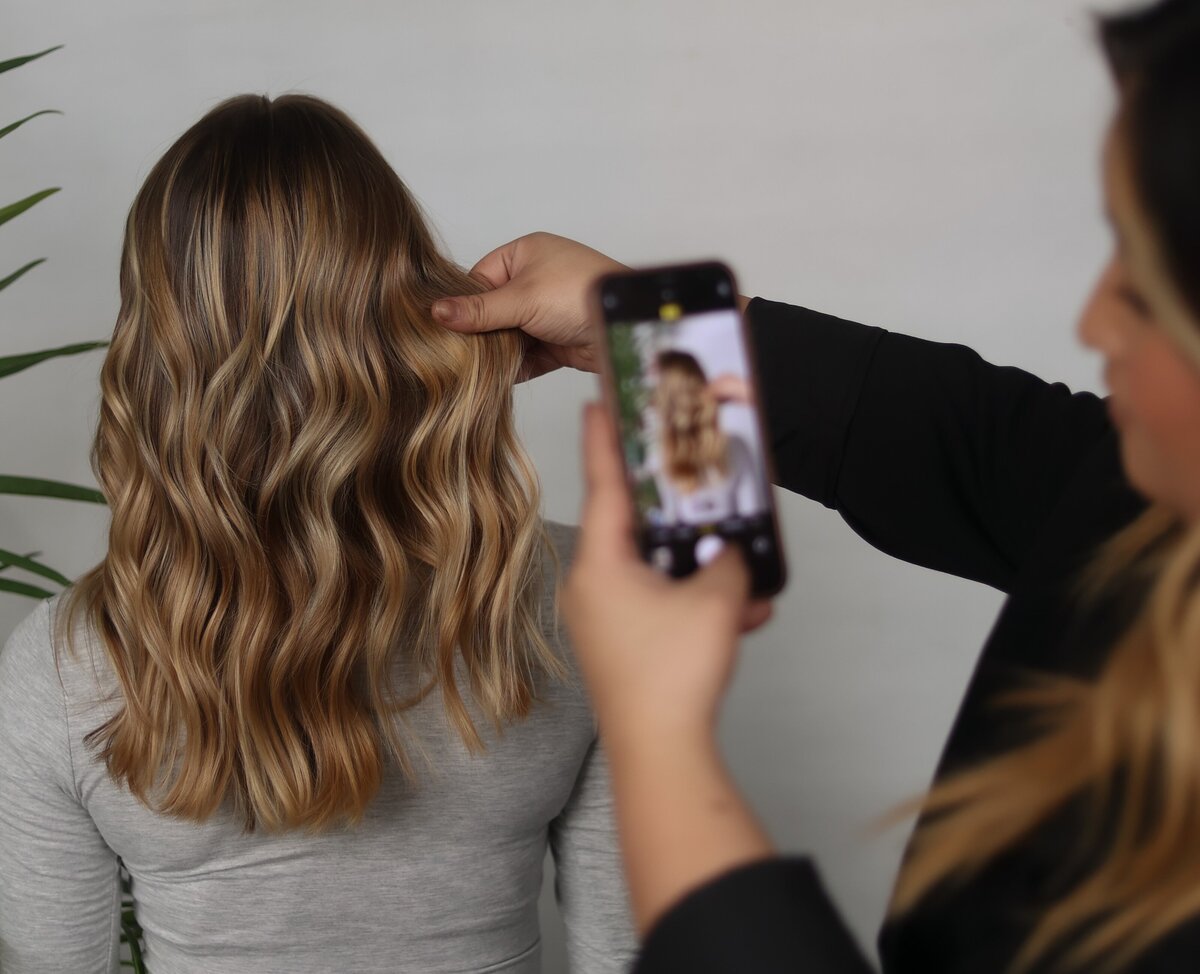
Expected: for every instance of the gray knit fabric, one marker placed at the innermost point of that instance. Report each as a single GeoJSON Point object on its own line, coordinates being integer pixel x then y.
{"type": "Point", "coordinates": [441, 876]}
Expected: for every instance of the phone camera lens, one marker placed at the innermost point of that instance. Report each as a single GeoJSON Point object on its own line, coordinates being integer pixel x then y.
{"type": "Point", "coordinates": [723, 289]}
{"type": "Point", "coordinates": [610, 301]}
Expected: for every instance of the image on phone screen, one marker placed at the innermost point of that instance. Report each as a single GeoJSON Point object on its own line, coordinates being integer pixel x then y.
{"type": "Point", "coordinates": [690, 437]}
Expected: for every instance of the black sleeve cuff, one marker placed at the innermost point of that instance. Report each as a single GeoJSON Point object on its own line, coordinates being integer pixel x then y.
{"type": "Point", "coordinates": [768, 917]}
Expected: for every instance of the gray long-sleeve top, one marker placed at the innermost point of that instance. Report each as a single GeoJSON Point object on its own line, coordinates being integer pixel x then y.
{"type": "Point", "coordinates": [441, 876]}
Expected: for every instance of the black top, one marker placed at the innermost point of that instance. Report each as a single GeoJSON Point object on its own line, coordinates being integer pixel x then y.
{"type": "Point", "coordinates": [934, 456]}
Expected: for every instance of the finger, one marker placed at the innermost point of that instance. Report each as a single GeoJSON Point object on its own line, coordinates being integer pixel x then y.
{"type": "Point", "coordinates": [756, 615]}
{"type": "Point", "coordinates": [726, 577]}
{"type": "Point", "coordinates": [727, 572]}
{"type": "Point", "coordinates": [607, 522]}
{"type": "Point", "coordinates": [489, 311]}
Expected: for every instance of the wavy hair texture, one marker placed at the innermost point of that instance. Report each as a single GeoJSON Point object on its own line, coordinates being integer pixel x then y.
{"type": "Point", "coordinates": [310, 481]}
{"type": "Point", "coordinates": [693, 443]}
{"type": "Point", "coordinates": [1126, 743]}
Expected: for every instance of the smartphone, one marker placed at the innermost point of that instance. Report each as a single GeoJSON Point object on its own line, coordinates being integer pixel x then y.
{"type": "Point", "coordinates": [678, 376]}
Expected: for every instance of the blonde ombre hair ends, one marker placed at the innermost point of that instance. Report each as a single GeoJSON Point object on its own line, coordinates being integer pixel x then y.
{"type": "Point", "coordinates": [309, 481]}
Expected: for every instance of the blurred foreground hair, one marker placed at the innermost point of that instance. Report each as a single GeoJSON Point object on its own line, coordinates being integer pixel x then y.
{"type": "Point", "coordinates": [1126, 744]}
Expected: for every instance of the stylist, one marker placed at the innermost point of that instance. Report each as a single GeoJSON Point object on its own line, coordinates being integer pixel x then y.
{"type": "Point", "coordinates": [1062, 831]}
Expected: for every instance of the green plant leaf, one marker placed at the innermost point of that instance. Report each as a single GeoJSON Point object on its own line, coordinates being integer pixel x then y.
{"type": "Point", "coordinates": [20, 206]}
{"type": "Point", "coordinates": [32, 487]}
{"type": "Point", "coordinates": [20, 588]}
{"type": "Point", "coordinates": [8, 558]}
{"type": "Point", "coordinates": [18, 61]}
{"type": "Point", "coordinates": [16, 125]}
{"type": "Point", "coordinates": [28, 554]}
{"type": "Point", "coordinates": [135, 952]}
{"type": "Point", "coordinates": [18, 273]}
{"type": "Point", "coordinates": [15, 363]}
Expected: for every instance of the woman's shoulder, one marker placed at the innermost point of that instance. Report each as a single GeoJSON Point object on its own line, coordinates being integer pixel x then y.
{"type": "Point", "coordinates": [563, 538]}
{"type": "Point", "coordinates": [27, 659]}
{"type": "Point", "coordinates": [32, 699]}
{"type": "Point", "coordinates": [38, 667]}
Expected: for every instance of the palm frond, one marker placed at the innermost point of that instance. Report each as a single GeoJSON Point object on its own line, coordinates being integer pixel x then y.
{"type": "Point", "coordinates": [16, 125]}
{"type": "Point", "coordinates": [13, 210]}
{"type": "Point", "coordinates": [16, 62]}
{"type": "Point", "coordinates": [17, 274]}
{"type": "Point", "coordinates": [10, 364]}
{"type": "Point", "coordinates": [36, 487]}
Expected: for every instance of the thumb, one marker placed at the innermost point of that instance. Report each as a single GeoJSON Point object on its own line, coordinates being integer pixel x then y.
{"type": "Point", "coordinates": [490, 311]}
{"type": "Point", "coordinates": [757, 614]}
{"type": "Point", "coordinates": [726, 576]}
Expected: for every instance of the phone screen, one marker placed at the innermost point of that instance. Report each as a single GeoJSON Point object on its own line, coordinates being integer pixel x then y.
{"type": "Point", "coordinates": [687, 415]}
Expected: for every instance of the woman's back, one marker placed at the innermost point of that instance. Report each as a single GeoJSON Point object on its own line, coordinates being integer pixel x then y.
{"type": "Point", "coordinates": [442, 874]}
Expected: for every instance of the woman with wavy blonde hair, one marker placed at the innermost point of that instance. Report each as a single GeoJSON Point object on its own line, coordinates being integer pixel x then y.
{"type": "Point", "coordinates": [314, 697]}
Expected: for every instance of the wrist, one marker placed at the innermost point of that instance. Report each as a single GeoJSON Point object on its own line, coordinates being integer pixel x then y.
{"type": "Point", "coordinates": [658, 740]}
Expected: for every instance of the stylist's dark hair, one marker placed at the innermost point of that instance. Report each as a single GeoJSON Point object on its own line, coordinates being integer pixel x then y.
{"type": "Point", "coordinates": [1154, 53]}
{"type": "Point", "coordinates": [1125, 744]}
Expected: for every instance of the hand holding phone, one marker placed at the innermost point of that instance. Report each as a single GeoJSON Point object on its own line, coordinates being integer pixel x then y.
{"type": "Point", "coordinates": [679, 379]}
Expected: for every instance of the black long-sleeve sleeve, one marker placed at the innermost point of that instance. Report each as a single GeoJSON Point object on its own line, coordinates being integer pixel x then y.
{"type": "Point", "coordinates": [929, 453]}
{"type": "Point", "coordinates": [770, 917]}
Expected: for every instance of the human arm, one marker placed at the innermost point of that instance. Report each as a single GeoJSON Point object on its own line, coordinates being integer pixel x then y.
{"type": "Point", "coordinates": [715, 897]}
{"type": "Point", "coordinates": [704, 885]}
{"type": "Point", "coordinates": [680, 824]}
{"type": "Point", "coordinates": [771, 916]}
{"type": "Point", "coordinates": [589, 883]}
{"type": "Point", "coordinates": [929, 452]}
{"type": "Point", "coordinates": [59, 886]}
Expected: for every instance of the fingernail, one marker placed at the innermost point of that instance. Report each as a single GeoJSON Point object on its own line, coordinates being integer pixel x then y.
{"type": "Point", "coordinates": [445, 310]}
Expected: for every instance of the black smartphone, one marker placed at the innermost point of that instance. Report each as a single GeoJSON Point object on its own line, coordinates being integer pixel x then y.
{"type": "Point", "coordinates": [679, 378]}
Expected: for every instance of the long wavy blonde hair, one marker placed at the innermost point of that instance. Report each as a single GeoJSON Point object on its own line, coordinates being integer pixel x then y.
{"type": "Point", "coordinates": [309, 480]}
{"type": "Point", "coordinates": [1125, 744]}
{"type": "Point", "coordinates": [693, 443]}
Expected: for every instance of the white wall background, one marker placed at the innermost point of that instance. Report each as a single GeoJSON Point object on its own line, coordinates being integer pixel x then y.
{"type": "Point", "coordinates": [928, 166]}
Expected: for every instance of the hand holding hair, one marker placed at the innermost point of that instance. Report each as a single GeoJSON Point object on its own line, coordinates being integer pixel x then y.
{"type": "Point", "coordinates": [540, 284]}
